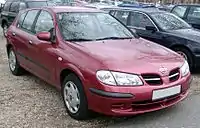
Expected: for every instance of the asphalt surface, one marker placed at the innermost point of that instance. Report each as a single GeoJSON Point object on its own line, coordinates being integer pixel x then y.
{"type": "Point", "coordinates": [28, 102]}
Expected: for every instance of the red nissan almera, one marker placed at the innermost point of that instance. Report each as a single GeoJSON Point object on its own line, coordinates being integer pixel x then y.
{"type": "Point", "coordinates": [96, 61]}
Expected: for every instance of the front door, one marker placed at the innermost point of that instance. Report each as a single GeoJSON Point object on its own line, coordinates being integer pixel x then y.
{"type": "Point", "coordinates": [43, 52]}
{"type": "Point", "coordinates": [137, 23]}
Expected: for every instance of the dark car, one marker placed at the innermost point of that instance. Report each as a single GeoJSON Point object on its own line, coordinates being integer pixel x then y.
{"type": "Point", "coordinates": [12, 7]}
{"type": "Point", "coordinates": [165, 29]}
{"type": "Point", "coordinates": [189, 13]}
{"type": "Point", "coordinates": [96, 62]}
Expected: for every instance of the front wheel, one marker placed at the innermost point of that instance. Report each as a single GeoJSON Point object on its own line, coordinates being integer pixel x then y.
{"type": "Point", "coordinates": [74, 97]}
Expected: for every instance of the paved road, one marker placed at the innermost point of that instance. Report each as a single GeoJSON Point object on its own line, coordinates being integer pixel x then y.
{"type": "Point", "coordinates": [183, 115]}
{"type": "Point", "coordinates": [28, 102]}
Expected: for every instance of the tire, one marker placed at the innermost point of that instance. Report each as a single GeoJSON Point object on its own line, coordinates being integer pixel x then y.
{"type": "Point", "coordinates": [14, 66]}
{"type": "Point", "coordinates": [188, 56]}
{"type": "Point", "coordinates": [5, 28]}
{"type": "Point", "coordinates": [82, 112]}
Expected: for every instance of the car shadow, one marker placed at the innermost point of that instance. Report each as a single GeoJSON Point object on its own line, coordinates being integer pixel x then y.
{"type": "Point", "coordinates": [196, 71]}
{"type": "Point", "coordinates": [107, 121]}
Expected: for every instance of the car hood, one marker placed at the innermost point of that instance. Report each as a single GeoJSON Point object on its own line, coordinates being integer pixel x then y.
{"type": "Point", "coordinates": [131, 55]}
{"type": "Point", "coordinates": [189, 34]}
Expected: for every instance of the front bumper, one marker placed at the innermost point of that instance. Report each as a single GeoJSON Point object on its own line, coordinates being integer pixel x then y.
{"type": "Point", "coordinates": [132, 101]}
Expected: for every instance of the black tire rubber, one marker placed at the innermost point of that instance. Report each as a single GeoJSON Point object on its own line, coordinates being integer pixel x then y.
{"type": "Point", "coordinates": [18, 69]}
{"type": "Point", "coordinates": [188, 54]}
{"type": "Point", "coordinates": [83, 112]}
{"type": "Point", "coordinates": [5, 24]}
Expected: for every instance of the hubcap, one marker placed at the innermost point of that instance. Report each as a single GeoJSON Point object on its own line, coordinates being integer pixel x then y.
{"type": "Point", "coordinates": [12, 60]}
{"type": "Point", "coordinates": [182, 54]}
{"type": "Point", "coordinates": [5, 29]}
{"type": "Point", "coordinates": [71, 97]}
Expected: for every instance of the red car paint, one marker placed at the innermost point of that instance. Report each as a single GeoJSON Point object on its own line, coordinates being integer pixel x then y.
{"type": "Point", "coordinates": [138, 56]}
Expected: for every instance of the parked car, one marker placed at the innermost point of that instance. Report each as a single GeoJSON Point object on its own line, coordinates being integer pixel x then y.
{"type": "Point", "coordinates": [135, 4]}
{"type": "Point", "coordinates": [96, 62]}
{"type": "Point", "coordinates": [189, 13]}
{"type": "Point", "coordinates": [12, 7]}
{"type": "Point", "coordinates": [165, 29]}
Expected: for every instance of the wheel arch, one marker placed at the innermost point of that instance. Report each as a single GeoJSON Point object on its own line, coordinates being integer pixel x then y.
{"type": "Point", "coordinates": [181, 46]}
{"type": "Point", "coordinates": [190, 52]}
{"type": "Point", "coordinates": [8, 47]}
{"type": "Point", "coordinates": [70, 69]}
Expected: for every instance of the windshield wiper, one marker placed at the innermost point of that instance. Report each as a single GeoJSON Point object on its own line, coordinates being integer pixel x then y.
{"type": "Point", "coordinates": [79, 39]}
{"type": "Point", "coordinates": [114, 38]}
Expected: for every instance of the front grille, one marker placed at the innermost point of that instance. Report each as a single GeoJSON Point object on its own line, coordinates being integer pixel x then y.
{"type": "Point", "coordinates": [152, 79]}
{"type": "Point", "coordinates": [174, 75]}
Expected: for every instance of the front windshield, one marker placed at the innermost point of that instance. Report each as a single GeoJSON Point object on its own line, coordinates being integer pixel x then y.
{"type": "Point", "coordinates": [91, 26]}
{"type": "Point", "coordinates": [37, 4]}
{"type": "Point", "coordinates": [169, 21]}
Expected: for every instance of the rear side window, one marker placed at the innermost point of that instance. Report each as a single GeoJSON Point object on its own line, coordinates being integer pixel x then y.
{"type": "Point", "coordinates": [29, 19]}
{"type": "Point", "coordinates": [139, 20]}
{"type": "Point", "coordinates": [6, 6]}
{"type": "Point", "coordinates": [122, 16]}
{"type": "Point", "coordinates": [14, 7]}
{"type": "Point", "coordinates": [194, 12]}
{"type": "Point", "coordinates": [179, 11]}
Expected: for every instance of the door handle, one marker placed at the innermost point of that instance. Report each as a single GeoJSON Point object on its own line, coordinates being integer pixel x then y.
{"type": "Point", "coordinates": [14, 34]}
{"type": "Point", "coordinates": [30, 42]}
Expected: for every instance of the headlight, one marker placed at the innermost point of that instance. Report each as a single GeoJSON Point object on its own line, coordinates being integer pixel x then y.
{"type": "Point", "coordinates": [117, 78]}
{"type": "Point", "coordinates": [185, 69]}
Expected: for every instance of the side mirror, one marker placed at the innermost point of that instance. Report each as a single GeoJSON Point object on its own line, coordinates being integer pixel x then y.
{"type": "Point", "coordinates": [151, 28]}
{"type": "Point", "coordinates": [46, 36]}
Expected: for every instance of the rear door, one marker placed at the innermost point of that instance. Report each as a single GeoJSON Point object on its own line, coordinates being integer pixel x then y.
{"type": "Point", "coordinates": [22, 35]}
{"type": "Point", "coordinates": [193, 16]}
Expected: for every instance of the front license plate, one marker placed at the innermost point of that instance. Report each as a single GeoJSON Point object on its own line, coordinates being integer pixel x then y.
{"type": "Point", "coordinates": [162, 93]}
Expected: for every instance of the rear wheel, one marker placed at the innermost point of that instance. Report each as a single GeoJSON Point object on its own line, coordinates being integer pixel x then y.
{"type": "Point", "coordinates": [185, 54]}
{"type": "Point", "coordinates": [74, 97]}
{"type": "Point", "coordinates": [14, 66]}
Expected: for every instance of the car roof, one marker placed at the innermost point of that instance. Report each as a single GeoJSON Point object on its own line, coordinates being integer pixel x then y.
{"type": "Point", "coordinates": [145, 10]}
{"type": "Point", "coordinates": [58, 9]}
{"type": "Point", "coordinates": [187, 5]}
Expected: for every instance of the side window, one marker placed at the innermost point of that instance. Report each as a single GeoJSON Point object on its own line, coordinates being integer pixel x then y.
{"type": "Point", "coordinates": [29, 19]}
{"type": "Point", "coordinates": [122, 16]}
{"type": "Point", "coordinates": [6, 6]}
{"type": "Point", "coordinates": [44, 22]}
{"type": "Point", "coordinates": [21, 19]}
{"type": "Point", "coordinates": [194, 12]}
{"type": "Point", "coordinates": [139, 20]}
{"type": "Point", "coordinates": [179, 11]}
{"type": "Point", "coordinates": [14, 7]}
